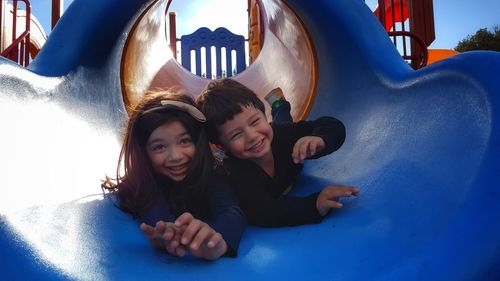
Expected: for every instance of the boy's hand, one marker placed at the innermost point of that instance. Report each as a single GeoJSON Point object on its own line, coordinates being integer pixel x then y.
{"type": "Point", "coordinates": [306, 147]}
{"type": "Point", "coordinates": [330, 196]}
{"type": "Point", "coordinates": [165, 236]}
{"type": "Point", "coordinates": [200, 239]}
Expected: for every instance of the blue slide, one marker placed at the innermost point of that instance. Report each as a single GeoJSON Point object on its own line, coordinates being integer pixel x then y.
{"type": "Point", "coordinates": [423, 146]}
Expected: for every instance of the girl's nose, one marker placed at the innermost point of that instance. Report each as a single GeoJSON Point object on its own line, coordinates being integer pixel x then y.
{"type": "Point", "coordinates": [174, 154]}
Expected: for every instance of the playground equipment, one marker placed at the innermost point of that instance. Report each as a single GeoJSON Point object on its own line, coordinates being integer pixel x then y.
{"type": "Point", "coordinates": [423, 147]}
{"type": "Point", "coordinates": [223, 42]}
{"type": "Point", "coordinates": [21, 35]}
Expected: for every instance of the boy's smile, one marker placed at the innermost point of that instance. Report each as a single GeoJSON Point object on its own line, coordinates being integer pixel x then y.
{"type": "Point", "coordinates": [248, 135]}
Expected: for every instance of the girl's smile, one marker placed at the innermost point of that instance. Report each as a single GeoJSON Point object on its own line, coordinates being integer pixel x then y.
{"type": "Point", "coordinates": [170, 149]}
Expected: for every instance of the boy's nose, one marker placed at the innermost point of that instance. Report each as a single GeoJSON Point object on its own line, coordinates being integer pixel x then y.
{"type": "Point", "coordinates": [251, 135]}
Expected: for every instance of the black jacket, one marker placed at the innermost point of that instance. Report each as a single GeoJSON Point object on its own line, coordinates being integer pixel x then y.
{"type": "Point", "coordinates": [261, 196]}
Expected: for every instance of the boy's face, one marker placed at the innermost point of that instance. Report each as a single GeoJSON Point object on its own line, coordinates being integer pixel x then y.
{"type": "Point", "coordinates": [248, 135]}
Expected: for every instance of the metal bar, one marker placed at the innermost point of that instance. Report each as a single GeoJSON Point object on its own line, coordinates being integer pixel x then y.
{"type": "Point", "coordinates": [402, 12]}
{"type": "Point", "coordinates": [28, 35]}
{"type": "Point", "coordinates": [208, 59]}
{"type": "Point", "coordinates": [218, 64]}
{"type": "Point", "coordinates": [2, 3]}
{"type": "Point", "coordinates": [15, 43]}
{"type": "Point", "coordinates": [393, 15]}
{"type": "Point", "coordinates": [173, 34]}
{"type": "Point", "coordinates": [56, 12]}
{"type": "Point", "coordinates": [381, 13]}
{"type": "Point", "coordinates": [18, 50]}
{"type": "Point", "coordinates": [198, 61]}
{"type": "Point", "coordinates": [423, 56]}
{"type": "Point", "coordinates": [229, 64]}
{"type": "Point", "coordinates": [14, 20]}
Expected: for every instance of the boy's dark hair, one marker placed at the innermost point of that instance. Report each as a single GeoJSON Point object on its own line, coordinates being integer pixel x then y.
{"type": "Point", "coordinates": [221, 100]}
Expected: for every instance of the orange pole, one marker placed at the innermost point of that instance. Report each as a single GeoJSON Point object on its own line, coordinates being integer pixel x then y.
{"type": "Point", "coordinates": [173, 34]}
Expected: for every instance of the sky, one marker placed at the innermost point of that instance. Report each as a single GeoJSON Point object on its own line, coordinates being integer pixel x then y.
{"type": "Point", "coordinates": [454, 19]}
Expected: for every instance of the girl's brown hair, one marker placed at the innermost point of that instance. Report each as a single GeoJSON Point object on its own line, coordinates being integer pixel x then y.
{"type": "Point", "coordinates": [136, 181]}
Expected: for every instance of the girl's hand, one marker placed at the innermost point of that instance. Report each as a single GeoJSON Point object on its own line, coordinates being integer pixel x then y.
{"type": "Point", "coordinates": [330, 196]}
{"type": "Point", "coordinates": [199, 238]}
{"type": "Point", "coordinates": [306, 147]}
{"type": "Point", "coordinates": [165, 236]}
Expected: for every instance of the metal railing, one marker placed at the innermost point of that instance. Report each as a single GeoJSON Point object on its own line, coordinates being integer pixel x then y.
{"type": "Point", "coordinates": [18, 50]}
{"type": "Point", "coordinates": [392, 12]}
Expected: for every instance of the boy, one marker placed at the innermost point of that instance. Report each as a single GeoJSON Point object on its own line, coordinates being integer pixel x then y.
{"type": "Point", "coordinates": [264, 160]}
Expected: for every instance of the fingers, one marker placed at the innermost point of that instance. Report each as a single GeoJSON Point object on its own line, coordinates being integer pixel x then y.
{"type": "Point", "coordinates": [192, 230]}
{"type": "Point", "coordinates": [295, 152]}
{"type": "Point", "coordinates": [303, 150]}
{"type": "Point", "coordinates": [186, 234]}
{"type": "Point", "coordinates": [330, 196]}
{"type": "Point", "coordinates": [196, 232]}
{"type": "Point", "coordinates": [161, 231]}
{"type": "Point", "coordinates": [332, 204]}
{"type": "Point", "coordinates": [147, 229]}
{"type": "Point", "coordinates": [307, 147]}
{"type": "Point", "coordinates": [337, 191]}
{"type": "Point", "coordinates": [184, 219]}
{"type": "Point", "coordinates": [180, 251]}
{"type": "Point", "coordinates": [355, 191]}
{"type": "Point", "coordinates": [165, 230]}
{"type": "Point", "coordinates": [311, 149]}
{"type": "Point", "coordinates": [174, 247]}
{"type": "Point", "coordinates": [214, 240]}
{"type": "Point", "coordinates": [169, 233]}
{"type": "Point", "coordinates": [300, 149]}
{"type": "Point", "coordinates": [203, 233]}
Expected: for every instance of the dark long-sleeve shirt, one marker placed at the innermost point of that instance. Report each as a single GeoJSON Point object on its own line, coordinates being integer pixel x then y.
{"type": "Point", "coordinates": [224, 215]}
{"type": "Point", "coordinates": [261, 196]}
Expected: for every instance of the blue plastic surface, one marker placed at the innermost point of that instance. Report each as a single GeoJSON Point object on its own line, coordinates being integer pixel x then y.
{"type": "Point", "coordinates": [423, 147]}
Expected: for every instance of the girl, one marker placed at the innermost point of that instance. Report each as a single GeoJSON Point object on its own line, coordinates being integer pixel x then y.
{"type": "Point", "coordinates": [169, 180]}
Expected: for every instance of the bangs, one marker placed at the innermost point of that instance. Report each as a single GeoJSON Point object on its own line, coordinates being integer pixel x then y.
{"type": "Point", "coordinates": [149, 122]}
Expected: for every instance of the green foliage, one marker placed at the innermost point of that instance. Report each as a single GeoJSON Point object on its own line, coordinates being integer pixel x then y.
{"type": "Point", "coordinates": [482, 40]}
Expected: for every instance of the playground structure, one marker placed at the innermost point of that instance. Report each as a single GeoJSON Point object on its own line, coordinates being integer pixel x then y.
{"type": "Point", "coordinates": [423, 147]}
{"type": "Point", "coordinates": [409, 24]}
{"type": "Point", "coordinates": [21, 35]}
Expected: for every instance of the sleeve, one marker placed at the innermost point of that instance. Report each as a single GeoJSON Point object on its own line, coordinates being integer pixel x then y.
{"type": "Point", "coordinates": [226, 216]}
{"type": "Point", "coordinates": [263, 210]}
{"type": "Point", "coordinates": [156, 211]}
{"type": "Point", "coordinates": [330, 129]}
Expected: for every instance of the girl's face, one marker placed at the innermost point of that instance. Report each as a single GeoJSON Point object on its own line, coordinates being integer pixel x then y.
{"type": "Point", "coordinates": [170, 149]}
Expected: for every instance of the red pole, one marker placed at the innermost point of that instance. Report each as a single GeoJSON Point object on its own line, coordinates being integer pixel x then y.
{"type": "Point", "coordinates": [56, 12]}
{"type": "Point", "coordinates": [28, 30]}
{"type": "Point", "coordinates": [2, 3]}
{"type": "Point", "coordinates": [15, 53]}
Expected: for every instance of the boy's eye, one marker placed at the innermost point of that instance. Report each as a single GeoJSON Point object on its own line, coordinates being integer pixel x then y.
{"type": "Point", "coordinates": [255, 122]}
{"type": "Point", "coordinates": [186, 141]}
{"type": "Point", "coordinates": [235, 136]}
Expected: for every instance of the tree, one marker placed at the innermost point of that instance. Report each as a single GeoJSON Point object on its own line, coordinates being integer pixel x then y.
{"type": "Point", "coordinates": [482, 40]}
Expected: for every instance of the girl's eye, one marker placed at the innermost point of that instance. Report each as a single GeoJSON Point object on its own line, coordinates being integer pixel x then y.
{"type": "Point", "coordinates": [157, 147]}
